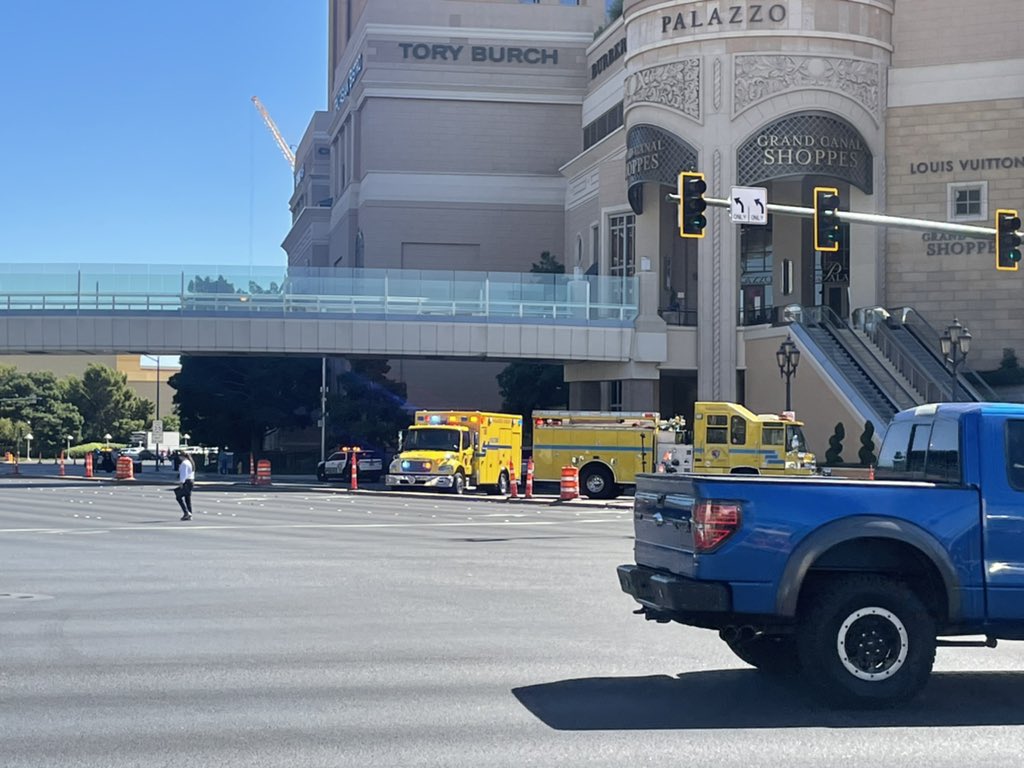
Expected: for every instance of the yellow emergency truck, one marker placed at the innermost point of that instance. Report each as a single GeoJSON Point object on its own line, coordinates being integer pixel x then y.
{"type": "Point", "coordinates": [456, 450]}
{"type": "Point", "coordinates": [610, 448]}
{"type": "Point", "coordinates": [728, 438]}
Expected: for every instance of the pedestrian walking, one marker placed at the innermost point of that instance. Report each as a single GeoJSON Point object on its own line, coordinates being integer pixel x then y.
{"type": "Point", "coordinates": [186, 480]}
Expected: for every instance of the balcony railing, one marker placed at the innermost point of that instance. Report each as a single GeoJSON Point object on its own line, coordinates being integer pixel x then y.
{"type": "Point", "coordinates": [290, 292]}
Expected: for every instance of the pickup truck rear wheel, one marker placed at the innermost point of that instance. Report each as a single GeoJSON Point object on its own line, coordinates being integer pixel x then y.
{"type": "Point", "coordinates": [866, 641]}
{"type": "Point", "coordinates": [774, 655]}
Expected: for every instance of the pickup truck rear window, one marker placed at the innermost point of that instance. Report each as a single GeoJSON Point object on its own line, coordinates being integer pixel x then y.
{"type": "Point", "coordinates": [1015, 454]}
{"type": "Point", "coordinates": [927, 450]}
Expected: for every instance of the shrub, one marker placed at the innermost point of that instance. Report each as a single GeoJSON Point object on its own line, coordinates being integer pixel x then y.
{"type": "Point", "coordinates": [866, 454]}
{"type": "Point", "coordinates": [834, 454]}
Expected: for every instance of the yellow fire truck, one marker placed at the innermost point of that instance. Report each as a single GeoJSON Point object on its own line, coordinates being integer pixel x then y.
{"type": "Point", "coordinates": [728, 438]}
{"type": "Point", "coordinates": [456, 450]}
{"type": "Point", "coordinates": [610, 448]}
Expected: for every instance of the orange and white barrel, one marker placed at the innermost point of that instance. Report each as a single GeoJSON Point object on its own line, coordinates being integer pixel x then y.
{"type": "Point", "coordinates": [263, 472]}
{"type": "Point", "coordinates": [570, 486]}
{"type": "Point", "coordinates": [125, 470]}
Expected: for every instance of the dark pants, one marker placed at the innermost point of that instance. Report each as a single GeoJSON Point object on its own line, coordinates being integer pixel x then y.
{"type": "Point", "coordinates": [183, 493]}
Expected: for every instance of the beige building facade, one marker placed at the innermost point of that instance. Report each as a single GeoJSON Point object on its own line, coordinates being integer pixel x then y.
{"type": "Point", "coordinates": [473, 135]}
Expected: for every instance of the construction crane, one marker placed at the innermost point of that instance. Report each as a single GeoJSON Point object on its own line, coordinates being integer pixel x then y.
{"type": "Point", "coordinates": [285, 149]}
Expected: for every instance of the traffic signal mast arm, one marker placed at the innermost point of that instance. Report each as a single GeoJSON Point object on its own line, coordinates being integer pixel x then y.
{"type": "Point", "coordinates": [863, 218]}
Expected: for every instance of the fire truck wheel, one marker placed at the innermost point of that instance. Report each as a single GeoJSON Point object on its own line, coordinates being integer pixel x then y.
{"type": "Point", "coordinates": [597, 482]}
{"type": "Point", "coordinates": [459, 483]}
{"type": "Point", "coordinates": [503, 484]}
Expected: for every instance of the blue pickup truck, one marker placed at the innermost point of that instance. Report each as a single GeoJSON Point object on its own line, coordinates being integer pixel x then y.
{"type": "Point", "coordinates": [850, 584]}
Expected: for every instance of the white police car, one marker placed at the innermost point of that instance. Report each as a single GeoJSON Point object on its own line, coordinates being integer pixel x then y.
{"type": "Point", "coordinates": [371, 467]}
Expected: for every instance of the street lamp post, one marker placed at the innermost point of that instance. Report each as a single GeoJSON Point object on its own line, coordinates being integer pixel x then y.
{"type": "Point", "coordinates": [185, 438]}
{"type": "Point", "coordinates": [69, 438]}
{"type": "Point", "coordinates": [107, 438]}
{"type": "Point", "coordinates": [788, 358]}
{"type": "Point", "coordinates": [28, 450]}
{"type": "Point", "coordinates": [955, 343]}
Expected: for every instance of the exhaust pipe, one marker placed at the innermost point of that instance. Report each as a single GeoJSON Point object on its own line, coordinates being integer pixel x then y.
{"type": "Point", "coordinates": [747, 633]}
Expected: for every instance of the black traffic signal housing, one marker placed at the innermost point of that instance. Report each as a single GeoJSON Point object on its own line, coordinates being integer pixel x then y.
{"type": "Point", "coordinates": [692, 204]}
{"type": "Point", "coordinates": [1007, 240]}
{"type": "Point", "coordinates": [826, 222]}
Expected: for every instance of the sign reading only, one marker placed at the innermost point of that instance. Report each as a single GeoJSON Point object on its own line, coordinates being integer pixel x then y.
{"type": "Point", "coordinates": [748, 205]}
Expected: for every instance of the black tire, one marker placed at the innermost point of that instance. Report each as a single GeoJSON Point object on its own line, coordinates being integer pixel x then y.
{"type": "Point", "coordinates": [774, 655]}
{"type": "Point", "coordinates": [866, 641]}
{"type": "Point", "coordinates": [321, 476]}
{"type": "Point", "coordinates": [503, 484]}
{"type": "Point", "coordinates": [597, 482]}
{"type": "Point", "coordinates": [458, 483]}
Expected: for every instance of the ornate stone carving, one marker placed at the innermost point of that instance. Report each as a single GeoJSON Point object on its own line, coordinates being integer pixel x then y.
{"type": "Point", "coordinates": [675, 85]}
{"type": "Point", "coordinates": [758, 77]}
{"type": "Point", "coordinates": [716, 78]}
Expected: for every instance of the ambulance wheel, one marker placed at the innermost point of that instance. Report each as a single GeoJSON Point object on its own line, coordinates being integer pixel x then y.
{"type": "Point", "coordinates": [596, 482]}
{"type": "Point", "coordinates": [459, 483]}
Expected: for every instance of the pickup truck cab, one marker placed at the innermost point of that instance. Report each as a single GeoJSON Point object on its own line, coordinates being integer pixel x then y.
{"type": "Point", "coordinates": [853, 584]}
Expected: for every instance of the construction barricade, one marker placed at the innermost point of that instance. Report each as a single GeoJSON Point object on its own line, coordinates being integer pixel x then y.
{"type": "Point", "coordinates": [263, 472]}
{"type": "Point", "coordinates": [124, 470]}
{"type": "Point", "coordinates": [570, 486]}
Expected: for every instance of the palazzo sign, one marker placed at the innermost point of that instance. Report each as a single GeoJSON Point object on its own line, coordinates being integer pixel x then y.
{"type": "Point", "coordinates": [805, 144]}
{"type": "Point", "coordinates": [711, 16]}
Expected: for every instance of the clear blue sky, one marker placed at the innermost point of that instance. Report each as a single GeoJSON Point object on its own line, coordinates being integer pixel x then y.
{"type": "Point", "coordinates": [128, 133]}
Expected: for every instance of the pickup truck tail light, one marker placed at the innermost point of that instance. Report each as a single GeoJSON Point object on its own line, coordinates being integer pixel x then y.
{"type": "Point", "coordinates": [713, 523]}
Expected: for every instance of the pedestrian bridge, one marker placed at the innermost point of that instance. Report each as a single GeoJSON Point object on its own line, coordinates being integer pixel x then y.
{"type": "Point", "coordinates": [124, 308]}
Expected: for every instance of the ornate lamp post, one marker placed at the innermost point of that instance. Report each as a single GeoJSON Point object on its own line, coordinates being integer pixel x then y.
{"type": "Point", "coordinates": [788, 358]}
{"type": "Point", "coordinates": [955, 343]}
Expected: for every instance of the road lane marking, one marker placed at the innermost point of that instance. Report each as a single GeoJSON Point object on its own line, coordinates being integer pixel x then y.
{"type": "Point", "coordinates": [301, 526]}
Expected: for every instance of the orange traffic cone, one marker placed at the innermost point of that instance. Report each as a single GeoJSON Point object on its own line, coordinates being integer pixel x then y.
{"type": "Point", "coordinates": [513, 485]}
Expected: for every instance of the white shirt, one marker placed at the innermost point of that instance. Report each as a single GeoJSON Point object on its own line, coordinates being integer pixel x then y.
{"type": "Point", "coordinates": [186, 471]}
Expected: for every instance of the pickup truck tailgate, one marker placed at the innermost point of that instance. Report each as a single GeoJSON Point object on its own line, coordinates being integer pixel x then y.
{"type": "Point", "coordinates": [663, 524]}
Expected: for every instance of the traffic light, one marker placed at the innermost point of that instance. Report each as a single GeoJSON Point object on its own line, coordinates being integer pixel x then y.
{"type": "Point", "coordinates": [826, 223]}
{"type": "Point", "coordinates": [692, 204]}
{"type": "Point", "coordinates": [1007, 240]}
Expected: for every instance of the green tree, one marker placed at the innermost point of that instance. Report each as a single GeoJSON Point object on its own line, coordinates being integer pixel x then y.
{"type": "Point", "coordinates": [526, 387]}
{"type": "Point", "coordinates": [834, 454]}
{"type": "Point", "coordinates": [866, 454]}
{"type": "Point", "coordinates": [107, 404]}
{"type": "Point", "coordinates": [233, 401]}
{"type": "Point", "coordinates": [171, 422]}
{"type": "Point", "coordinates": [36, 403]}
{"type": "Point", "coordinates": [368, 408]}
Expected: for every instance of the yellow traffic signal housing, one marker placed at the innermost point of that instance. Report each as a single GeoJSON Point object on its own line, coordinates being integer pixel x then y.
{"type": "Point", "coordinates": [692, 204]}
{"type": "Point", "coordinates": [826, 223]}
{"type": "Point", "coordinates": [1008, 251]}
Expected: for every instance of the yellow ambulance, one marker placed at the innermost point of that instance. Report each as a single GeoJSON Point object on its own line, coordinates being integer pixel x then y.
{"type": "Point", "coordinates": [455, 450]}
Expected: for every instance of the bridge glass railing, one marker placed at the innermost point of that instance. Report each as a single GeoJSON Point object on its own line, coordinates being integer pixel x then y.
{"type": "Point", "coordinates": [486, 296]}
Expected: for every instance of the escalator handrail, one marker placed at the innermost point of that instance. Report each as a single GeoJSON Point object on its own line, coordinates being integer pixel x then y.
{"type": "Point", "coordinates": [876, 326]}
{"type": "Point", "coordinates": [913, 321]}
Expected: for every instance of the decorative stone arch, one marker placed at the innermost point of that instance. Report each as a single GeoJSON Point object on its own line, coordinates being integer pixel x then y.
{"type": "Point", "coordinates": [784, 105]}
{"type": "Point", "coordinates": [802, 143]}
{"type": "Point", "coordinates": [654, 154]}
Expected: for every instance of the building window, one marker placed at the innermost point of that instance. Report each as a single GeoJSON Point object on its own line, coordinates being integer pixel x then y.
{"type": "Point", "coordinates": [604, 125]}
{"type": "Point", "coordinates": [615, 396]}
{"type": "Point", "coordinates": [595, 244]}
{"type": "Point", "coordinates": [757, 262]}
{"type": "Point", "coordinates": [622, 252]}
{"type": "Point", "coordinates": [968, 202]}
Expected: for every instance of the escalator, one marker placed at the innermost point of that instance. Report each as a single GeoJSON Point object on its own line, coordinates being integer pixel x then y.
{"type": "Point", "coordinates": [867, 383]}
{"type": "Point", "coordinates": [911, 346]}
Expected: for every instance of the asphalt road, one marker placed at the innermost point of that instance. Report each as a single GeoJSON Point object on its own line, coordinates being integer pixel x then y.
{"type": "Point", "coordinates": [303, 627]}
